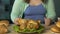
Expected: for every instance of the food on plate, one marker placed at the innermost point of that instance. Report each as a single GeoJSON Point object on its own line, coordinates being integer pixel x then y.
{"type": "Point", "coordinates": [4, 26]}
{"type": "Point", "coordinates": [22, 27]}
{"type": "Point", "coordinates": [55, 29]}
{"type": "Point", "coordinates": [3, 29]}
{"type": "Point", "coordinates": [39, 30]}
{"type": "Point", "coordinates": [28, 25]}
{"type": "Point", "coordinates": [58, 24]}
{"type": "Point", "coordinates": [22, 23]}
{"type": "Point", "coordinates": [32, 24]}
{"type": "Point", "coordinates": [4, 22]}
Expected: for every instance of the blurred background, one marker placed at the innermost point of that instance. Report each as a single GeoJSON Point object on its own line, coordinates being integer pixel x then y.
{"type": "Point", "coordinates": [6, 7]}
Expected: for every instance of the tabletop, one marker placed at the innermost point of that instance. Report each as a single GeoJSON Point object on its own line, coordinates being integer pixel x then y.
{"type": "Point", "coordinates": [46, 31]}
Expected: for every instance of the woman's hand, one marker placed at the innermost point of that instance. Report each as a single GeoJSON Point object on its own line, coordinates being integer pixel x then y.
{"type": "Point", "coordinates": [16, 21]}
{"type": "Point", "coordinates": [47, 21]}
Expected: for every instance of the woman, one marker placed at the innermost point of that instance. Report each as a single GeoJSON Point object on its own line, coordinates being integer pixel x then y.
{"type": "Point", "coordinates": [33, 9]}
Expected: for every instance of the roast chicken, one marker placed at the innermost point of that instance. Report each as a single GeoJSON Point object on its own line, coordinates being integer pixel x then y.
{"type": "Point", "coordinates": [29, 24]}
{"type": "Point", "coordinates": [33, 24]}
{"type": "Point", "coordinates": [22, 23]}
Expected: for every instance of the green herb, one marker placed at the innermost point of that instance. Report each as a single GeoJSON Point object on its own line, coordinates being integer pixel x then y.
{"type": "Point", "coordinates": [16, 28]}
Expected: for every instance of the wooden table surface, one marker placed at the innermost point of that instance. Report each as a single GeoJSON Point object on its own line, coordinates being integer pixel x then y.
{"type": "Point", "coordinates": [47, 31]}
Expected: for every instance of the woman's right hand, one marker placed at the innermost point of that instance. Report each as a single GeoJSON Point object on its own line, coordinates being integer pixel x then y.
{"type": "Point", "coordinates": [16, 21]}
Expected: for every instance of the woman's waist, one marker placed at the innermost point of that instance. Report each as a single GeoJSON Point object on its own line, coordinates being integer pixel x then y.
{"type": "Point", "coordinates": [34, 14]}
{"type": "Point", "coordinates": [35, 17]}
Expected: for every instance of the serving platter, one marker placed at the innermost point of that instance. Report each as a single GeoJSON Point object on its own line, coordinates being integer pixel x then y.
{"type": "Point", "coordinates": [40, 30]}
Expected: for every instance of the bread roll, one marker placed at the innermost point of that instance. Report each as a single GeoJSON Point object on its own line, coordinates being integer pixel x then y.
{"type": "Point", "coordinates": [3, 29]}
{"type": "Point", "coordinates": [58, 24]}
{"type": "Point", "coordinates": [4, 22]}
{"type": "Point", "coordinates": [55, 29]}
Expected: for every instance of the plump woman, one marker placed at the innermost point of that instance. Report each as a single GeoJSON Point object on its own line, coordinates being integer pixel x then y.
{"type": "Point", "coordinates": [33, 9]}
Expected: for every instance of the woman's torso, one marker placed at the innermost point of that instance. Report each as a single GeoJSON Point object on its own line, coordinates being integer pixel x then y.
{"type": "Point", "coordinates": [35, 12]}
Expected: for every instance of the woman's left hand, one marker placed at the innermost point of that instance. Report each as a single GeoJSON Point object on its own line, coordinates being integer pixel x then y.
{"type": "Point", "coordinates": [47, 21]}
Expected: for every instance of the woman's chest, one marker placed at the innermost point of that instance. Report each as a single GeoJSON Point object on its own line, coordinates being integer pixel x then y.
{"type": "Point", "coordinates": [36, 10]}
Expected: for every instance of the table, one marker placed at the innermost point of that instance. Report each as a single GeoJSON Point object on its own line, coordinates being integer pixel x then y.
{"type": "Point", "coordinates": [47, 31]}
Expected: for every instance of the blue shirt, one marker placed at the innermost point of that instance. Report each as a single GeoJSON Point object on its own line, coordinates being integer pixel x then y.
{"type": "Point", "coordinates": [35, 12]}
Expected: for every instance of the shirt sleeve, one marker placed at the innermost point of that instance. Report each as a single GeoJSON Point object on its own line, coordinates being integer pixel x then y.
{"type": "Point", "coordinates": [16, 9]}
{"type": "Point", "coordinates": [50, 10]}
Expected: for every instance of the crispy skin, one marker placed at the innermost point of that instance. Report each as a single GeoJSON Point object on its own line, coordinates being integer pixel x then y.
{"type": "Point", "coordinates": [4, 22]}
{"type": "Point", "coordinates": [22, 23]}
{"type": "Point", "coordinates": [4, 26]}
{"type": "Point", "coordinates": [29, 24]}
{"type": "Point", "coordinates": [3, 29]}
{"type": "Point", "coordinates": [58, 24]}
{"type": "Point", "coordinates": [32, 24]}
{"type": "Point", "coordinates": [55, 29]}
{"type": "Point", "coordinates": [22, 27]}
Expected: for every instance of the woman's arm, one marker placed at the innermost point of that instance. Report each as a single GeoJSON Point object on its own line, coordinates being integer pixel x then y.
{"type": "Point", "coordinates": [16, 10]}
{"type": "Point", "coordinates": [50, 12]}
